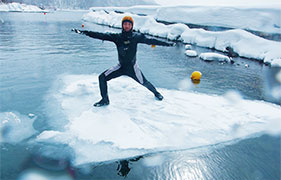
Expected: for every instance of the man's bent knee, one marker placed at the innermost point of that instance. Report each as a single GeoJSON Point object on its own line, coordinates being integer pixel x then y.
{"type": "Point", "coordinates": [102, 77]}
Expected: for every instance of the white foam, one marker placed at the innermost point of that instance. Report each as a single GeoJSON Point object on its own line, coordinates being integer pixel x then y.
{"type": "Point", "coordinates": [135, 123]}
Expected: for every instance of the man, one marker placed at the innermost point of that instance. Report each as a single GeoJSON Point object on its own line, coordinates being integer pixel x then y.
{"type": "Point", "coordinates": [126, 43]}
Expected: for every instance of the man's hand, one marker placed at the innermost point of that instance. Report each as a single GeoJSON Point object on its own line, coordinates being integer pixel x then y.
{"type": "Point", "coordinates": [76, 30]}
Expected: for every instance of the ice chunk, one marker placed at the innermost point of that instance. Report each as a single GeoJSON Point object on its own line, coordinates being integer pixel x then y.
{"type": "Point", "coordinates": [136, 124]}
{"type": "Point", "coordinates": [188, 47]}
{"type": "Point", "coordinates": [15, 127]}
{"type": "Point", "coordinates": [276, 62]}
{"type": "Point", "coordinates": [191, 53]}
{"type": "Point", "coordinates": [152, 161]}
{"type": "Point", "coordinates": [214, 57]}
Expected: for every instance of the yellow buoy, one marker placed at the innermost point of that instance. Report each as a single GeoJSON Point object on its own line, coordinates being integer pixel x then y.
{"type": "Point", "coordinates": [196, 75]}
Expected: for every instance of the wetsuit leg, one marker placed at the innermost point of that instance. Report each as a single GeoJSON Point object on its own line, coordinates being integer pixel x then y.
{"type": "Point", "coordinates": [137, 75]}
{"type": "Point", "coordinates": [107, 75]}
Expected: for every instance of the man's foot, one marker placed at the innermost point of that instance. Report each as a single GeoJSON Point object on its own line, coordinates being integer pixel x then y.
{"type": "Point", "coordinates": [102, 102]}
{"type": "Point", "coordinates": [158, 96]}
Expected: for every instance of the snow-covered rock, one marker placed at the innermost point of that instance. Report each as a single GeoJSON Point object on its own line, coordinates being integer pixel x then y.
{"type": "Point", "coordinates": [214, 57]}
{"type": "Point", "coordinates": [191, 53]}
{"type": "Point", "coordinates": [188, 46]}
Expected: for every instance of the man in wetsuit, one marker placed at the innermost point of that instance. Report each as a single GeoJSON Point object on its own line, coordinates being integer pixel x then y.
{"type": "Point", "coordinates": [126, 43]}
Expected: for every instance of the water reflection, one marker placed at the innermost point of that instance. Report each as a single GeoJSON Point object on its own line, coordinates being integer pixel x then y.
{"type": "Point", "coordinates": [48, 162]}
{"type": "Point", "coordinates": [124, 168]}
{"type": "Point", "coordinates": [273, 85]}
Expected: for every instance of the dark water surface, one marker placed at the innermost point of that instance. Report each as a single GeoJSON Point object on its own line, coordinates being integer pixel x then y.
{"type": "Point", "coordinates": [36, 48]}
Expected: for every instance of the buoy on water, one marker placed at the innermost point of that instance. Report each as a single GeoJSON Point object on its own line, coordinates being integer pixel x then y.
{"type": "Point", "coordinates": [195, 77]}
{"type": "Point", "coordinates": [153, 46]}
{"type": "Point", "coordinates": [83, 25]}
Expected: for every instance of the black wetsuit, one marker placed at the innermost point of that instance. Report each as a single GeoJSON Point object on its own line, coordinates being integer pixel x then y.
{"type": "Point", "coordinates": [126, 43]}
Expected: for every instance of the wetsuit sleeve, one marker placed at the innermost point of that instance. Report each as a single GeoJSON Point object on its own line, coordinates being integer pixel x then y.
{"type": "Point", "coordinates": [152, 41]}
{"type": "Point", "coordinates": [101, 36]}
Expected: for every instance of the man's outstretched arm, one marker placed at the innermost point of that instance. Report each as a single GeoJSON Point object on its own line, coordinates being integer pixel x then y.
{"type": "Point", "coordinates": [97, 35]}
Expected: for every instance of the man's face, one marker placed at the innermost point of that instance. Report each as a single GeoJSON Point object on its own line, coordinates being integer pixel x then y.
{"type": "Point", "coordinates": [127, 26]}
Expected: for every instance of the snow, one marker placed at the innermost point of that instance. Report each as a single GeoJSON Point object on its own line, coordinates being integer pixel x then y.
{"type": "Point", "coordinates": [214, 57]}
{"type": "Point", "coordinates": [188, 46]}
{"type": "Point", "coordinates": [276, 62]}
{"type": "Point", "coordinates": [191, 53]}
{"type": "Point", "coordinates": [17, 7]}
{"type": "Point", "coordinates": [242, 42]}
{"type": "Point", "coordinates": [136, 124]}
{"type": "Point", "coordinates": [256, 18]}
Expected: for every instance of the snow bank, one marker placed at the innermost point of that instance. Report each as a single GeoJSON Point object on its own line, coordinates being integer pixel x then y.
{"type": "Point", "coordinates": [236, 3]}
{"type": "Point", "coordinates": [242, 42]}
{"type": "Point", "coordinates": [16, 127]}
{"type": "Point", "coordinates": [256, 18]}
{"type": "Point", "coordinates": [17, 7]}
{"type": "Point", "coordinates": [136, 124]}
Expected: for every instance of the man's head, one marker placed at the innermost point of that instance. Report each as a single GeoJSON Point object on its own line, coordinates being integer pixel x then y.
{"type": "Point", "coordinates": [127, 23]}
